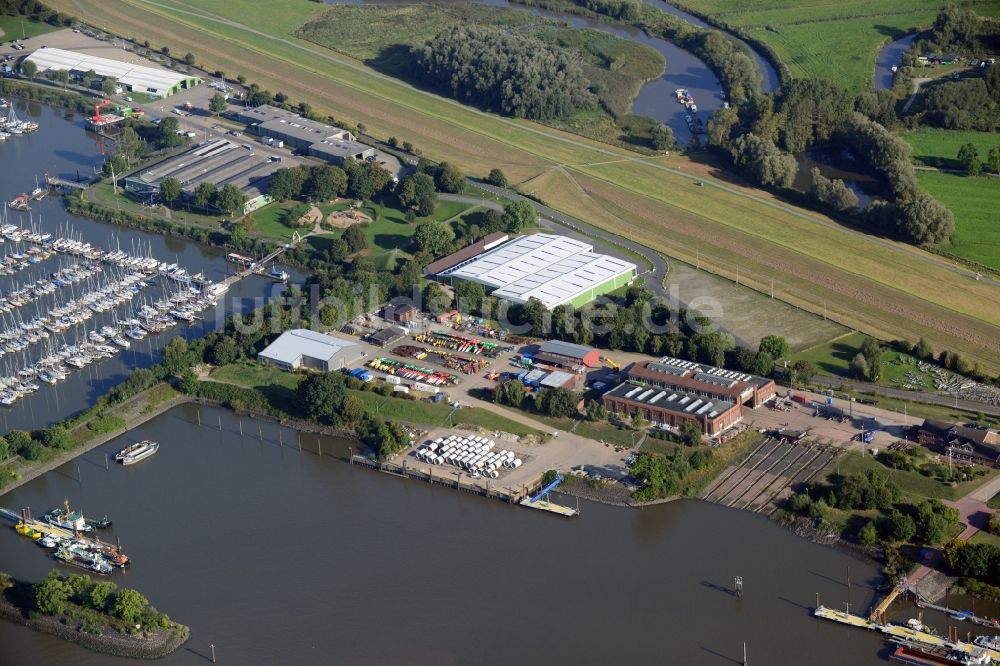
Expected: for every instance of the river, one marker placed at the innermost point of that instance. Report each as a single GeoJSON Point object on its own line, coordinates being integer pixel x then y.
{"type": "Point", "coordinates": [278, 556]}
{"type": "Point", "coordinates": [656, 99]}
{"type": "Point", "coordinates": [888, 57]}
{"type": "Point", "coordinates": [63, 148]}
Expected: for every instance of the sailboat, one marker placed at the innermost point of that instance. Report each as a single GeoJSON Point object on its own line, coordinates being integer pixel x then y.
{"type": "Point", "coordinates": [39, 192]}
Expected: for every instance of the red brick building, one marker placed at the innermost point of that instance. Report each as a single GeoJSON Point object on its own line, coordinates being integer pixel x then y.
{"type": "Point", "coordinates": [705, 381]}
{"type": "Point", "coordinates": [672, 407]}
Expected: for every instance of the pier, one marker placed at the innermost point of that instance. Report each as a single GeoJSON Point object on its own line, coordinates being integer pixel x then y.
{"type": "Point", "coordinates": [254, 267]}
{"type": "Point", "coordinates": [54, 181]}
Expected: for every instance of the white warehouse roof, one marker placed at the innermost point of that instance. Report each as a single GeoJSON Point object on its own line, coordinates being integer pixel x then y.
{"type": "Point", "coordinates": [293, 344]}
{"type": "Point", "coordinates": [553, 269]}
{"type": "Point", "coordinates": [142, 77]}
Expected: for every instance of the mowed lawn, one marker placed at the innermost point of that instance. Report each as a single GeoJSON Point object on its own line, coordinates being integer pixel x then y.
{"type": "Point", "coordinates": [975, 202]}
{"type": "Point", "coordinates": [814, 267]}
{"type": "Point", "coordinates": [13, 27]}
{"type": "Point", "coordinates": [939, 147]}
{"type": "Point", "coordinates": [835, 356]}
{"type": "Point", "coordinates": [832, 40]}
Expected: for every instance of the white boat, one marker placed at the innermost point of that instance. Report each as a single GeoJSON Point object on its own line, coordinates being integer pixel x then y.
{"type": "Point", "coordinates": [136, 452]}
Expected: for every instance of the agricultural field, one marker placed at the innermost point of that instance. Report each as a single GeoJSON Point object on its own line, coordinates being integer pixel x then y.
{"type": "Point", "coordinates": [881, 287]}
{"type": "Point", "coordinates": [831, 40]}
{"type": "Point", "coordinates": [939, 148]}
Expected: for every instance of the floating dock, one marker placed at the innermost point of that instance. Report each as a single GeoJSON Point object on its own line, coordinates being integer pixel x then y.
{"type": "Point", "coordinates": [545, 505]}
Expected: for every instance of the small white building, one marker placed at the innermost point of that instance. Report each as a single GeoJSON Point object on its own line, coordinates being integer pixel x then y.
{"type": "Point", "coordinates": [302, 348]}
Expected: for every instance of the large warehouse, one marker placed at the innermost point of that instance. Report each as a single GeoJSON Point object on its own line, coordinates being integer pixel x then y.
{"type": "Point", "coordinates": [669, 407]}
{"type": "Point", "coordinates": [556, 270]}
{"type": "Point", "coordinates": [705, 380]}
{"type": "Point", "coordinates": [220, 162]}
{"type": "Point", "coordinates": [155, 81]}
{"type": "Point", "coordinates": [317, 139]}
{"type": "Point", "coordinates": [302, 348]}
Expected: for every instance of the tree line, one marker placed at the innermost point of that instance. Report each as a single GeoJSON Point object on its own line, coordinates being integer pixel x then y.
{"type": "Point", "coordinates": [508, 72]}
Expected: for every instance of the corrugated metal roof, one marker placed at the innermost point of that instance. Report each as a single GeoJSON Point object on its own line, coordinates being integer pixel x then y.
{"type": "Point", "coordinates": [557, 379]}
{"type": "Point", "coordinates": [568, 349]}
{"type": "Point", "coordinates": [127, 73]}
{"type": "Point", "coordinates": [293, 344]}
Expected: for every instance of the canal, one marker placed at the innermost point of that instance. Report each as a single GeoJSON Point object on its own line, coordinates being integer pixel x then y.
{"type": "Point", "coordinates": [276, 555]}
{"type": "Point", "coordinates": [63, 148]}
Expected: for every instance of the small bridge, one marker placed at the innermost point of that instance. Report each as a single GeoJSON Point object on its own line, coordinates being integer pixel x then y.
{"type": "Point", "coordinates": [54, 181]}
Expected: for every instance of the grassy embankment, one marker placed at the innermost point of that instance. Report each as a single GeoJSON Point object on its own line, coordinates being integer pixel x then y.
{"type": "Point", "coordinates": [381, 37]}
{"type": "Point", "coordinates": [280, 387]}
{"type": "Point", "coordinates": [972, 199]}
{"type": "Point", "coordinates": [829, 40]}
{"type": "Point", "coordinates": [886, 289]}
{"type": "Point", "coordinates": [915, 486]}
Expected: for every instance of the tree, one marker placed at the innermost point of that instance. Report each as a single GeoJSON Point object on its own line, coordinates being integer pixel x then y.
{"type": "Point", "coordinates": [56, 437]}
{"type": "Point", "coordinates": [129, 605]}
{"type": "Point", "coordinates": [355, 238]}
{"type": "Point", "coordinates": [327, 182]}
{"type": "Point", "coordinates": [167, 134]}
{"type": "Point", "coordinates": [802, 371]}
{"type": "Point", "coordinates": [60, 76]}
{"type": "Point", "coordinates": [662, 137]}
{"type": "Point", "coordinates": [775, 345]}
{"type": "Point", "coordinates": [366, 179]}
{"type": "Point", "coordinates": [29, 69]}
{"type": "Point", "coordinates": [129, 144]}
{"type": "Point", "coordinates": [434, 237]}
{"type": "Point", "coordinates": [956, 28]}
{"type": "Point", "coordinates": [966, 153]}
{"type": "Point", "coordinates": [558, 402]}
{"type": "Point", "coordinates": [109, 85]}
{"type": "Point", "coordinates": [51, 594]}
{"type": "Point", "coordinates": [933, 519]}
{"type": "Point", "coordinates": [287, 183]}
{"type": "Point", "coordinates": [868, 535]}
{"type": "Point", "coordinates": [859, 366]}
{"type": "Point", "coordinates": [497, 178]}
{"type": "Point", "coordinates": [448, 178]}
{"type": "Point", "coordinates": [224, 351]}
{"type": "Point", "coordinates": [321, 396]}
{"type": "Point", "coordinates": [518, 215]}
{"type": "Point", "coordinates": [217, 104]}
{"type": "Point", "coordinates": [923, 350]}
{"type": "Point", "coordinates": [899, 526]}
{"type": "Point", "coordinates": [101, 594]}
{"type": "Point", "coordinates": [189, 58]}
{"type": "Point", "coordinates": [415, 190]}
{"type": "Point", "coordinates": [469, 297]}
{"type": "Point", "coordinates": [352, 410]}
{"type": "Point", "coordinates": [596, 411]}
{"type": "Point", "coordinates": [974, 167]}
{"type": "Point", "coordinates": [170, 189]}
{"type": "Point", "coordinates": [204, 194]}
{"type": "Point", "coordinates": [509, 393]}
{"type": "Point", "coordinates": [834, 193]}
{"type": "Point", "coordinates": [230, 199]}
{"type": "Point", "coordinates": [994, 156]}
{"type": "Point", "coordinates": [689, 432]}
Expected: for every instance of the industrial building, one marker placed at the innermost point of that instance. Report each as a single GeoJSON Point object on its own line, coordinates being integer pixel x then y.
{"type": "Point", "coordinates": [387, 336]}
{"type": "Point", "coordinates": [220, 162]}
{"type": "Point", "coordinates": [302, 348]}
{"type": "Point", "coordinates": [468, 252]}
{"type": "Point", "coordinates": [329, 143]}
{"type": "Point", "coordinates": [567, 355]}
{"type": "Point", "coordinates": [705, 381]}
{"type": "Point", "coordinates": [147, 79]}
{"type": "Point", "coordinates": [961, 442]}
{"type": "Point", "coordinates": [556, 270]}
{"type": "Point", "coordinates": [668, 407]}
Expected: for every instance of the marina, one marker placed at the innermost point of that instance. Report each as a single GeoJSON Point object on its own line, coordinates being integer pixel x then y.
{"type": "Point", "coordinates": [63, 153]}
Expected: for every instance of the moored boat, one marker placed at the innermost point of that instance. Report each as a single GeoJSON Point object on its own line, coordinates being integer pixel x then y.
{"type": "Point", "coordinates": [78, 556]}
{"type": "Point", "coordinates": [135, 452]}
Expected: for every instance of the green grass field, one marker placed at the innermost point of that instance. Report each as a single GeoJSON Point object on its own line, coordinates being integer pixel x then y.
{"type": "Point", "coordinates": [275, 382]}
{"type": "Point", "coordinates": [652, 201]}
{"type": "Point", "coordinates": [939, 147]}
{"type": "Point", "coordinates": [915, 485]}
{"type": "Point", "coordinates": [974, 202]}
{"type": "Point", "coordinates": [831, 40]}
{"type": "Point", "coordinates": [835, 356]}
{"type": "Point", "coordinates": [278, 220]}
{"type": "Point", "coordinates": [14, 27]}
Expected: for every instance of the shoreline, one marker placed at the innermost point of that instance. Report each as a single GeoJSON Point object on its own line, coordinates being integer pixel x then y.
{"type": "Point", "coordinates": [155, 646]}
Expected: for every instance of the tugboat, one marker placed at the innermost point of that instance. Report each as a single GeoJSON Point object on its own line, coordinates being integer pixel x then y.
{"type": "Point", "coordinates": [20, 202]}
{"type": "Point", "coordinates": [136, 452]}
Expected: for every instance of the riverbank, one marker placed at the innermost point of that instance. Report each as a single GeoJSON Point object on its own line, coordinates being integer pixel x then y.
{"type": "Point", "coordinates": [78, 628]}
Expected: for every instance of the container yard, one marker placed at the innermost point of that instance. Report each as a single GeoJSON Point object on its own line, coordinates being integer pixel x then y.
{"type": "Point", "coordinates": [474, 455]}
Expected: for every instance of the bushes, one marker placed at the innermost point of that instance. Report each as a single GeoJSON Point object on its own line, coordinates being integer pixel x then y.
{"type": "Point", "coordinates": [106, 423]}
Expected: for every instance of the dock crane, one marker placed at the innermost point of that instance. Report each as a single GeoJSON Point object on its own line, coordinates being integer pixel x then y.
{"type": "Point", "coordinates": [97, 118]}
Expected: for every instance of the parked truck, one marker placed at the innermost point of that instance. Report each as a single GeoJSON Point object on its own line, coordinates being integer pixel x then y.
{"type": "Point", "coordinates": [361, 373]}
